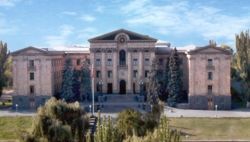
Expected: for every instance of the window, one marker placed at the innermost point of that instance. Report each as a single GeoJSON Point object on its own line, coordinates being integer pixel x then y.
{"type": "Point", "coordinates": [146, 73]}
{"type": "Point", "coordinates": [78, 62]}
{"type": "Point", "coordinates": [32, 76]}
{"type": "Point", "coordinates": [122, 57]}
{"type": "Point", "coordinates": [98, 62]}
{"type": "Point", "coordinates": [160, 61]}
{"type": "Point", "coordinates": [109, 74]}
{"type": "Point", "coordinates": [98, 74]}
{"type": "Point", "coordinates": [210, 76]}
{"type": "Point", "coordinates": [210, 62]}
{"type": "Point", "coordinates": [109, 62]}
{"type": "Point", "coordinates": [135, 61]}
{"type": "Point", "coordinates": [209, 89]}
{"type": "Point", "coordinates": [31, 63]}
{"type": "Point", "coordinates": [147, 61]}
{"type": "Point", "coordinates": [135, 73]}
{"type": "Point", "coordinates": [32, 89]}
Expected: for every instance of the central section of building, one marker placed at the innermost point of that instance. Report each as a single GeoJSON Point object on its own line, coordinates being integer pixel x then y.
{"type": "Point", "coordinates": [122, 60]}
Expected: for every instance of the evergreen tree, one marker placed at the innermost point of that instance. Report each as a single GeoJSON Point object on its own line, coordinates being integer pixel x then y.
{"type": "Point", "coordinates": [76, 85]}
{"type": "Point", "coordinates": [153, 88]}
{"type": "Point", "coordinates": [67, 83]}
{"type": "Point", "coordinates": [4, 55]}
{"type": "Point", "coordinates": [174, 77]}
{"type": "Point", "coordinates": [243, 60]}
{"type": "Point", "coordinates": [85, 87]}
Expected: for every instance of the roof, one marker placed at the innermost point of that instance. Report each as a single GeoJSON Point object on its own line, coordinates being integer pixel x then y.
{"type": "Point", "coordinates": [199, 49]}
{"type": "Point", "coordinates": [132, 35]}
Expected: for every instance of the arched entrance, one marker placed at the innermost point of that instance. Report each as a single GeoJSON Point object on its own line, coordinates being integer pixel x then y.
{"type": "Point", "coordinates": [122, 87]}
{"type": "Point", "coordinates": [122, 57]}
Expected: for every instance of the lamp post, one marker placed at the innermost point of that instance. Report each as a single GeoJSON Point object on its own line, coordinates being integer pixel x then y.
{"type": "Point", "coordinates": [141, 87]}
{"type": "Point", "coordinates": [216, 107]}
{"type": "Point", "coordinates": [101, 83]}
{"type": "Point", "coordinates": [16, 108]}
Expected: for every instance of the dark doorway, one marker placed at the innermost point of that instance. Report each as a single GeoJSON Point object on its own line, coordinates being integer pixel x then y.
{"type": "Point", "coordinates": [122, 58]}
{"type": "Point", "coordinates": [122, 87]}
{"type": "Point", "coordinates": [110, 88]}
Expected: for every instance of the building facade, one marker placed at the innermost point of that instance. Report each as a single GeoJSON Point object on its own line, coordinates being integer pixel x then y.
{"type": "Point", "coordinates": [122, 60]}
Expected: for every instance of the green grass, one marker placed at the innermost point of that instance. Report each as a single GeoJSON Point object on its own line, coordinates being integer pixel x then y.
{"type": "Point", "coordinates": [196, 128]}
{"type": "Point", "coordinates": [10, 127]}
{"type": "Point", "coordinates": [213, 128]}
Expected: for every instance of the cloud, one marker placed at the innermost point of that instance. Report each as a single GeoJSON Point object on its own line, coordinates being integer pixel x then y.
{"type": "Point", "coordinates": [87, 18]}
{"type": "Point", "coordinates": [69, 13]}
{"type": "Point", "coordinates": [185, 18]}
{"type": "Point", "coordinates": [5, 27]}
{"type": "Point", "coordinates": [60, 39]}
{"type": "Point", "coordinates": [86, 33]}
{"type": "Point", "coordinates": [8, 3]}
{"type": "Point", "coordinates": [99, 8]}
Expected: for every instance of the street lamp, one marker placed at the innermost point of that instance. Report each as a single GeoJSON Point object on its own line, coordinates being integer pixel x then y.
{"type": "Point", "coordinates": [101, 83]}
{"type": "Point", "coordinates": [141, 87]}
{"type": "Point", "coordinates": [16, 108]}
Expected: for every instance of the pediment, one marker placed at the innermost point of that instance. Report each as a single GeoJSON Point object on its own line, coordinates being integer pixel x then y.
{"type": "Point", "coordinates": [29, 50]}
{"type": "Point", "coordinates": [209, 50]}
{"type": "Point", "coordinates": [112, 36]}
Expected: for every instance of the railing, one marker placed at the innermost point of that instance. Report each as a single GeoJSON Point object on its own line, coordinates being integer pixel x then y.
{"type": "Point", "coordinates": [210, 67]}
{"type": "Point", "coordinates": [123, 66]}
{"type": "Point", "coordinates": [32, 68]}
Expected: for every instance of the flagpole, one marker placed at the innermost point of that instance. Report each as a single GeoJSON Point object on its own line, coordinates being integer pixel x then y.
{"type": "Point", "coordinates": [92, 88]}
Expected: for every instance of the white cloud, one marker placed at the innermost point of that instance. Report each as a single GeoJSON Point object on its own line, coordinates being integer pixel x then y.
{"type": "Point", "coordinates": [5, 27]}
{"type": "Point", "coordinates": [87, 18]}
{"type": "Point", "coordinates": [182, 18]}
{"type": "Point", "coordinates": [61, 38]}
{"type": "Point", "coordinates": [69, 13]}
{"type": "Point", "coordinates": [99, 8]}
{"type": "Point", "coordinates": [8, 3]}
{"type": "Point", "coordinates": [86, 33]}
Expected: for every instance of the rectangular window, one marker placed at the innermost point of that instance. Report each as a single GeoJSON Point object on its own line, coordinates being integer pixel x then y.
{"type": "Point", "coordinates": [210, 62]}
{"type": "Point", "coordinates": [160, 61]}
{"type": "Point", "coordinates": [135, 73]}
{"type": "Point", "coordinates": [209, 89]}
{"type": "Point", "coordinates": [32, 76]}
{"type": "Point", "coordinates": [147, 61]}
{"type": "Point", "coordinates": [109, 74]}
{"type": "Point", "coordinates": [78, 62]}
{"type": "Point", "coordinates": [98, 74]}
{"type": "Point", "coordinates": [32, 89]}
{"type": "Point", "coordinates": [135, 61]}
{"type": "Point", "coordinates": [98, 62]}
{"type": "Point", "coordinates": [31, 63]}
{"type": "Point", "coordinates": [210, 75]}
{"type": "Point", "coordinates": [109, 62]}
{"type": "Point", "coordinates": [146, 73]}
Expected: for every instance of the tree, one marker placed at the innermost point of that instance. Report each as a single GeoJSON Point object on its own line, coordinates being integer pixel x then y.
{"type": "Point", "coordinates": [67, 83]}
{"type": "Point", "coordinates": [174, 76]}
{"type": "Point", "coordinates": [153, 88]}
{"type": "Point", "coordinates": [85, 86]}
{"type": "Point", "coordinates": [4, 55]}
{"type": "Point", "coordinates": [76, 85]}
{"type": "Point", "coordinates": [58, 121]}
{"type": "Point", "coordinates": [243, 60]}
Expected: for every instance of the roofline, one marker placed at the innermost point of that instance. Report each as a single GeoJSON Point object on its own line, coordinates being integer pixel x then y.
{"type": "Point", "coordinates": [208, 46]}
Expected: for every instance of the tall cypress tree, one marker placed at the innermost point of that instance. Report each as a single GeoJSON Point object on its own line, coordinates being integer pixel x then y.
{"type": "Point", "coordinates": [153, 88]}
{"type": "Point", "coordinates": [4, 54]}
{"type": "Point", "coordinates": [76, 85]}
{"type": "Point", "coordinates": [174, 77]}
{"type": "Point", "coordinates": [85, 87]}
{"type": "Point", "coordinates": [67, 83]}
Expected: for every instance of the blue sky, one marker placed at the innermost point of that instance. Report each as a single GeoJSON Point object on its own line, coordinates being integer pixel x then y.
{"type": "Point", "coordinates": [50, 23]}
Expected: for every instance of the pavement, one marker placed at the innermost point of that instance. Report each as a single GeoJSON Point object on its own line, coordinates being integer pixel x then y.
{"type": "Point", "coordinates": [168, 111]}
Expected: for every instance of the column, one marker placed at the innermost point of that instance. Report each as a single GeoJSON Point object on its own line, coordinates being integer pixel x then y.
{"type": "Point", "coordinates": [129, 86]}
{"type": "Point", "coordinates": [104, 72]}
{"type": "Point", "coordinates": [115, 72]}
{"type": "Point", "coordinates": [141, 64]}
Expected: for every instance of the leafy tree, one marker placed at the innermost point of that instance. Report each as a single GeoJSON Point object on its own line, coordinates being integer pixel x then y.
{"type": "Point", "coordinates": [174, 76]}
{"type": "Point", "coordinates": [4, 55]}
{"type": "Point", "coordinates": [85, 87]}
{"type": "Point", "coordinates": [243, 60]}
{"type": "Point", "coordinates": [67, 83]}
{"type": "Point", "coordinates": [153, 88]}
{"type": "Point", "coordinates": [58, 121]}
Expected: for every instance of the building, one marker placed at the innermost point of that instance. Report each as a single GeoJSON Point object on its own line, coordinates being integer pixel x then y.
{"type": "Point", "coordinates": [122, 61]}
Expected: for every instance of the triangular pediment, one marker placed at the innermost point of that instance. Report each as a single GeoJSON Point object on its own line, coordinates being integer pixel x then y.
{"type": "Point", "coordinates": [132, 36]}
{"type": "Point", "coordinates": [209, 50]}
{"type": "Point", "coordinates": [29, 50]}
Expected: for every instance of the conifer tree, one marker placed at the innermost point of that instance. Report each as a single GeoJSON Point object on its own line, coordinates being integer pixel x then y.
{"type": "Point", "coordinates": [67, 83]}
{"type": "Point", "coordinates": [4, 54]}
{"type": "Point", "coordinates": [76, 85]}
{"type": "Point", "coordinates": [85, 87]}
{"type": "Point", "coordinates": [174, 77]}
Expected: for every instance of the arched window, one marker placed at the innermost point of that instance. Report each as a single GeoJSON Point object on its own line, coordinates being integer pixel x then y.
{"type": "Point", "coordinates": [122, 57]}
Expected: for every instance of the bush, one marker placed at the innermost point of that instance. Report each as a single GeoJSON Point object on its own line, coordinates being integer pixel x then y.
{"type": "Point", "coordinates": [58, 121]}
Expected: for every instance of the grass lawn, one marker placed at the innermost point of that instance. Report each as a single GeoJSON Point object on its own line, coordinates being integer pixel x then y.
{"type": "Point", "coordinates": [213, 128]}
{"type": "Point", "coordinates": [196, 128]}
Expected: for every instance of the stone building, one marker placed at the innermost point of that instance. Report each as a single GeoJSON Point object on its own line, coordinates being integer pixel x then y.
{"type": "Point", "coordinates": [122, 60]}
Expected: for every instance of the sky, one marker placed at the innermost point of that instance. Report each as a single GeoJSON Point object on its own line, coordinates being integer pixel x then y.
{"type": "Point", "coordinates": [52, 23]}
